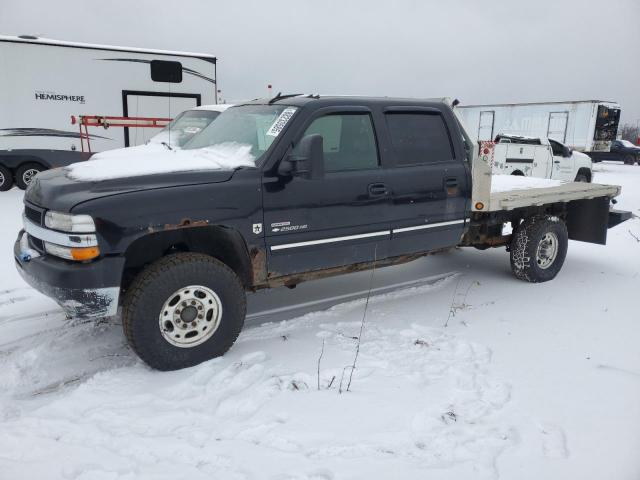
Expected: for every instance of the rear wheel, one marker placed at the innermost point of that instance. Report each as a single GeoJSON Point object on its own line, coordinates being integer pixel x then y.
{"type": "Point", "coordinates": [6, 179]}
{"type": "Point", "coordinates": [538, 248]}
{"type": "Point", "coordinates": [26, 172]}
{"type": "Point", "coordinates": [183, 310]}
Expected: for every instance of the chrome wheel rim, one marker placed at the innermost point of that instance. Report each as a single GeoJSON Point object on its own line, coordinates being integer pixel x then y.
{"type": "Point", "coordinates": [190, 316]}
{"type": "Point", "coordinates": [28, 175]}
{"type": "Point", "coordinates": [547, 250]}
{"type": "Point", "coordinates": [2, 179]}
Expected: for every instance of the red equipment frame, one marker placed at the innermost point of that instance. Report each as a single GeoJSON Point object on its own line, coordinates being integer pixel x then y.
{"type": "Point", "coordinates": [105, 122]}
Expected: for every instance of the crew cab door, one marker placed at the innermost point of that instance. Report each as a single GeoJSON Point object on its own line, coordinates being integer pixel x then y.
{"type": "Point", "coordinates": [428, 180]}
{"type": "Point", "coordinates": [563, 164]}
{"type": "Point", "coordinates": [338, 219]}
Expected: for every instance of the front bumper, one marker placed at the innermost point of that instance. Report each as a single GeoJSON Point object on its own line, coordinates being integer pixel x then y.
{"type": "Point", "coordinates": [83, 290]}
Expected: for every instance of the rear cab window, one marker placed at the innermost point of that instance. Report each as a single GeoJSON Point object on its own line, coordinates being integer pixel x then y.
{"type": "Point", "coordinates": [419, 138]}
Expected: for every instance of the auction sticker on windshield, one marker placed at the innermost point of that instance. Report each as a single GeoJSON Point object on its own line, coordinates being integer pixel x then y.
{"type": "Point", "coordinates": [281, 121]}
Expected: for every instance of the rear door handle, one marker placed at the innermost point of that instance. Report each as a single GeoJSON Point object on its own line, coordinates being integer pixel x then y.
{"type": "Point", "coordinates": [377, 190]}
{"type": "Point", "coordinates": [451, 186]}
{"type": "Point", "coordinates": [451, 182]}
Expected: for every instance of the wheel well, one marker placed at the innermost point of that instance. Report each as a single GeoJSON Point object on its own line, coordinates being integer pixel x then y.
{"type": "Point", "coordinates": [517, 173]}
{"type": "Point", "coordinates": [225, 244]}
{"type": "Point", "coordinates": [586, 172]}
{"type": "Point", "coordinates": [14, 162]}
{"type": "Point", "coordinates": [29, 161]}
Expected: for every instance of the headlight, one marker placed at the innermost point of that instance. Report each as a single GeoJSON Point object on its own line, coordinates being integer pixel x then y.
{"type": "Point", "coordinates": [69, 223]}
{"type": "Point", "coordinates": [72, 253]}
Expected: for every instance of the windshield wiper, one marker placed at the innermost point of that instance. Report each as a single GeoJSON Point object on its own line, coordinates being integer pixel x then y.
{"type": "Point", "coordinates": [166, 145]}
{"type": "Point", "coordinates": [279, 96]}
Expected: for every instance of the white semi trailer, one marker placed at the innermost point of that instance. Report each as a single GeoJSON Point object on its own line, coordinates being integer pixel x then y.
{"type": "Point", "coordinates": [586, 126]}
{"type": "Point", "coordinates": [44, 82]}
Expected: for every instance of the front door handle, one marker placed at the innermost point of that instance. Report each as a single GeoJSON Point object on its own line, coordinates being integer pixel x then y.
{"type": "Point", "coordinates": [377, 190]}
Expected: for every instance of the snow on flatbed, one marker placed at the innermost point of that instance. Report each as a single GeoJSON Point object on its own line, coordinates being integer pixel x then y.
{"type": "Point", "coordinates": [525, 381]}
{"type": "Point", "coordinates": [512, 191]}
{"type": "Point", "coordinates": [507, 183]}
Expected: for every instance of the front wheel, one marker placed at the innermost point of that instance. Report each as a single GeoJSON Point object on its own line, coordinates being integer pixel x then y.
{"type": "Point", "coordinates": [538, 248]}
{"type": "Point", "coordinates": [581, 177]}
{"type": "Point", "coordinates": [182, 310]}
{"type": "Point", "coordinates": [629, 160]}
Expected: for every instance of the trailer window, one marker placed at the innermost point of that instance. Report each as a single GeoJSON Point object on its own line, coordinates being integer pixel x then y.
{"type": "Point", "coordinates": [166, 71]}
{"type": "Point", "coordinates": [419, 138]}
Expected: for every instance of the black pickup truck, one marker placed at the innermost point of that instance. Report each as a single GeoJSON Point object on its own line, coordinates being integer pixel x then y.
{"type": "Point", "coordinates": [340, 184]}
{"type": "Point", "coordinates": [620, 151]}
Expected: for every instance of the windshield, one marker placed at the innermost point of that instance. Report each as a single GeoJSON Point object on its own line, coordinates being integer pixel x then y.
{"type": "Point", "coordinates": [184, 127]}
{"type": "Point", "coordinates": [627, 143]}
{"type": "Point", "coordinates": [254, 126]}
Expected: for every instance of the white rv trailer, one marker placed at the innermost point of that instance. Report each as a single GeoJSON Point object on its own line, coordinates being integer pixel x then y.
{"type": "Point", "coordinates": [44, 82]}
{"type": "Point", "coordinates": [586, 126]}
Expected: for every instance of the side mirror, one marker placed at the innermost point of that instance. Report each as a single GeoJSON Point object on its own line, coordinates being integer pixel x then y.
{"type": "Point", "coordinates": [566, 151]}
{"type": "Point", "coordinates": [307, 159]}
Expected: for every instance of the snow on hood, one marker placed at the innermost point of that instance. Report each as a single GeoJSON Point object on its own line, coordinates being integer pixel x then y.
{"type": "Point", "coordinates": [135, 162]}
{"type": "Point", "coordinates": [507, 183]}
{"type": "Point", "coordinates": [129, 151]}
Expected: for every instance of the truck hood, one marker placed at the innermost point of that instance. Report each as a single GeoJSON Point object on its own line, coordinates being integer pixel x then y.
{"type": "Point", "coordinates": [56, 190]}
{"type": "Point", "coordinates": [133, 170]}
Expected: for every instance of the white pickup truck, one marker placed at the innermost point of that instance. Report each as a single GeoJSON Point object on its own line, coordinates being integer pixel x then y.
{"type": "Point", "coordinates": [540, 157]}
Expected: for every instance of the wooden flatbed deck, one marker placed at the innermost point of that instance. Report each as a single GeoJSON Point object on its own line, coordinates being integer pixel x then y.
{"type": "Point", "coordinates": [566, 192]}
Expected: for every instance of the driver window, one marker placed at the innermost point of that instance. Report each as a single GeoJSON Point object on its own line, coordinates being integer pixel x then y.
{"type": "Point", "coordinates": [349, 141]}
{"type": "Point", "coordinates": [558, 149]}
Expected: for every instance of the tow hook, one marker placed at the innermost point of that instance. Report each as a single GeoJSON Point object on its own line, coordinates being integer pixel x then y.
{"type": "Point", "coordinates": [26, 254]}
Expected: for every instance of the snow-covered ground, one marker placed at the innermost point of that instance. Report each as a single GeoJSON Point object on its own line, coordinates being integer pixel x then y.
{"type": "Point", "coordinates": [464, 372]}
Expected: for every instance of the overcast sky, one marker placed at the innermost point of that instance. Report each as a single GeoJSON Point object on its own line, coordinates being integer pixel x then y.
{"type": "Point", "coordinates": [480, 51]}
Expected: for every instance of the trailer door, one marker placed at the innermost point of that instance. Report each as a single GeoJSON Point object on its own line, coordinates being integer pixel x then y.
{"type": "Point", "coordinates": [153, 104]}
{"type": "Point", "coordinates": [557, 128]}
{"type": "Point", "coordinates": [485, 129]}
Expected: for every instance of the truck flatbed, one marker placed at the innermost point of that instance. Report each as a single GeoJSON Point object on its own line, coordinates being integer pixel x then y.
{"type": "Point", "coordinates": [492, 193]}
{"type": "Point", "coordinates": [536, 196]}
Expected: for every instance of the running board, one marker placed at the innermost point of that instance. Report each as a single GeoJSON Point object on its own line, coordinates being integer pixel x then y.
{"type": "Point", "coordinates": [283, 313]}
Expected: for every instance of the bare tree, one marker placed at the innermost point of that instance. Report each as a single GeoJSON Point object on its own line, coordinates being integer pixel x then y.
{"type": "Point", "coordinates": [630, 132]}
